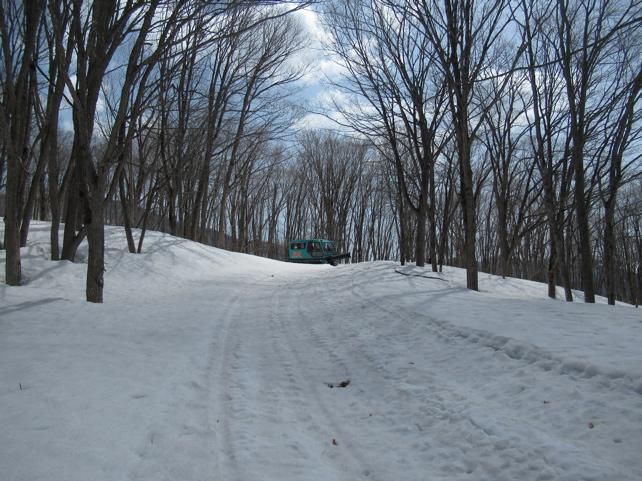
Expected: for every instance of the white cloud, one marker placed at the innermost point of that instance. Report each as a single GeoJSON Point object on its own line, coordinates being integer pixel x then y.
{"type": "Point", "coordinates": [311, 23]}
{"type": "Point", "coordinates": [320, 62]}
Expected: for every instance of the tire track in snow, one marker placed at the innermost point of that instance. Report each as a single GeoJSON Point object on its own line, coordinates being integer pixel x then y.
{"type": "Point", "coordinates": [466, 434]}
{"type": "Point", "coordinates": [187, 442]}
{"type": "Point", "coordinates": [521, 425]}
{"type": "Point", "coordinates": [267, 424]}
{"type": "Point", "coordinates": [304, 403]}
{"type": "Point", "coordinates": [219, 390]}
{"type": "Point", "coordinates": [389, 406]}
{"type": "Point", "coordinates": [253, 408]}
{"type": "Point", "coordinates": [518, 350]}
{"type": "Point", "coordinates": [305, 345]}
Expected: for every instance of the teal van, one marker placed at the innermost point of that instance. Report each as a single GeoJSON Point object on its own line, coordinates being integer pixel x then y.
{"type": "Point", "coordinates": [314, 251]}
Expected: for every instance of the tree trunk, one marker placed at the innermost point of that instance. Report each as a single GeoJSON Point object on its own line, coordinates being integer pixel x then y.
{"type": "Point", "coordinates": [13, 268]}
{"type": "Point", "coordinates": [502, 227]}
{"type": "Point", "coordinates": [420, 239]}
{"type": "Point", "coordinates": [638, 299]}
{"type": "Point", "coordinates": [402, 228]}
{"type": "Point", "coordinates": [126, 217]}
{"type": "Point", "coordinates": [171, 208]}
{"type": "Point", "coordinates": [17, 92]}
{"type": "Point", "coordinates": [148, 209]}
{"type": "Point", "coordinates": [552, 271]}
{"type": "Point", "coordinates": [609, 251]}
{"type": "Point", "coordinates": [70, 241]}
{"type": "Point", "coordinates": [27, 211]}
{"type": "Point", "coordinates": [586, 254]}
{"type": "Point", "coordinates": [221, 213]}
{"type": "Point", "coordinates": [468, 211]}
{"type": "Point", "coordinates": [96, 258]}
{"type": "Point", "coordinates": [432, 221]}
{"type": "Point", "coordinates": [73, 233]}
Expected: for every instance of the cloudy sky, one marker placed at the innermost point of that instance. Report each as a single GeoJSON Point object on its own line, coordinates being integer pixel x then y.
{"type": "Point", "coordinates": [317, 94]}
{"type": "Point", "coordinates": [313, 90]}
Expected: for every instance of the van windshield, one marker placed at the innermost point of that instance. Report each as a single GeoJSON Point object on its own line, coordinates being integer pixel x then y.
{"type": "Point", "coordinates": [328, 247]}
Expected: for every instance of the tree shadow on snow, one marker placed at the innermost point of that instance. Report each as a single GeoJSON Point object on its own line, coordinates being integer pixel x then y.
{"type": "Point", "coordinates": [27, 305]}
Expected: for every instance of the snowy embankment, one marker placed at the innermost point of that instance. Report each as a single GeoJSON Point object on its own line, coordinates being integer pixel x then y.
{"type": "Point", "coordinates": [204, 364]}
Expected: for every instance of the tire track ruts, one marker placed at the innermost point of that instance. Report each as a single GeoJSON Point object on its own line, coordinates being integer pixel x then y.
{"type": "Point", "coordinates": [329, 424]}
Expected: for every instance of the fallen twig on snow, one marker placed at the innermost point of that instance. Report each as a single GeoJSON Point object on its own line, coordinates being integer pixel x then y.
{"type": "Point", "coordinates": [339, 384]}
{"type": "Point", "coordinates": [419, 275]}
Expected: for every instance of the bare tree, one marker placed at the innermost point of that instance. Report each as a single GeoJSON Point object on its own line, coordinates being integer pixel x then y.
{"type": "Point", "coordinates": [19, 30]}
{"type": "Point", "coordinates": [620, 137]}
{"type": "Point", "coordinates": [585, 34]}
{"type": "Point", "coordinates": [332, 167]}
{"type": "Point", "coordinates": [264, 70]}
{"type": "Point", "coordinates": [514, 189]}
{"type": "Point", "coordinates": [390, 66]}
{"type": "Point", "coordinates": [547, 132]}
{"type": "Point", "coordinates": [463, 35]}
{"type": "Point", "coordinates": [99, 30]}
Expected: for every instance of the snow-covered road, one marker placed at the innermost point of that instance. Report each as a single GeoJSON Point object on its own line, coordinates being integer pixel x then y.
{"type": "Point", "coordinates": [205, 365]}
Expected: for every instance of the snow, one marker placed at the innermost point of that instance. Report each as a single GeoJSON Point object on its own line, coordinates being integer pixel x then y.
{"type": "Point", "coordinates": [208, 365]}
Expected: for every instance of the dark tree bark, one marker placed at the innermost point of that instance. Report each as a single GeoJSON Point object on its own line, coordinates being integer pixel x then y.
{"type": "Point", "coordinates": [57, 67]}
{"type": "Point", "coordinates": [16, 110]}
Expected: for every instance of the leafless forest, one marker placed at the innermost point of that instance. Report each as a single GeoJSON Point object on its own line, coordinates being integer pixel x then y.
{"type": "Point", "coordinates": [499, 136]}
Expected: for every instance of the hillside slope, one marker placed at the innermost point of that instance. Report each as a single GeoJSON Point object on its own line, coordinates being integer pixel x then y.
{"type": "Point", "coordinates": [204, 364]}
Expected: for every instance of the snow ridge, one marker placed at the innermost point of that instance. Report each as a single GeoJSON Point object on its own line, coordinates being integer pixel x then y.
{"type": "Point", "coordinates": [532, 354]}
